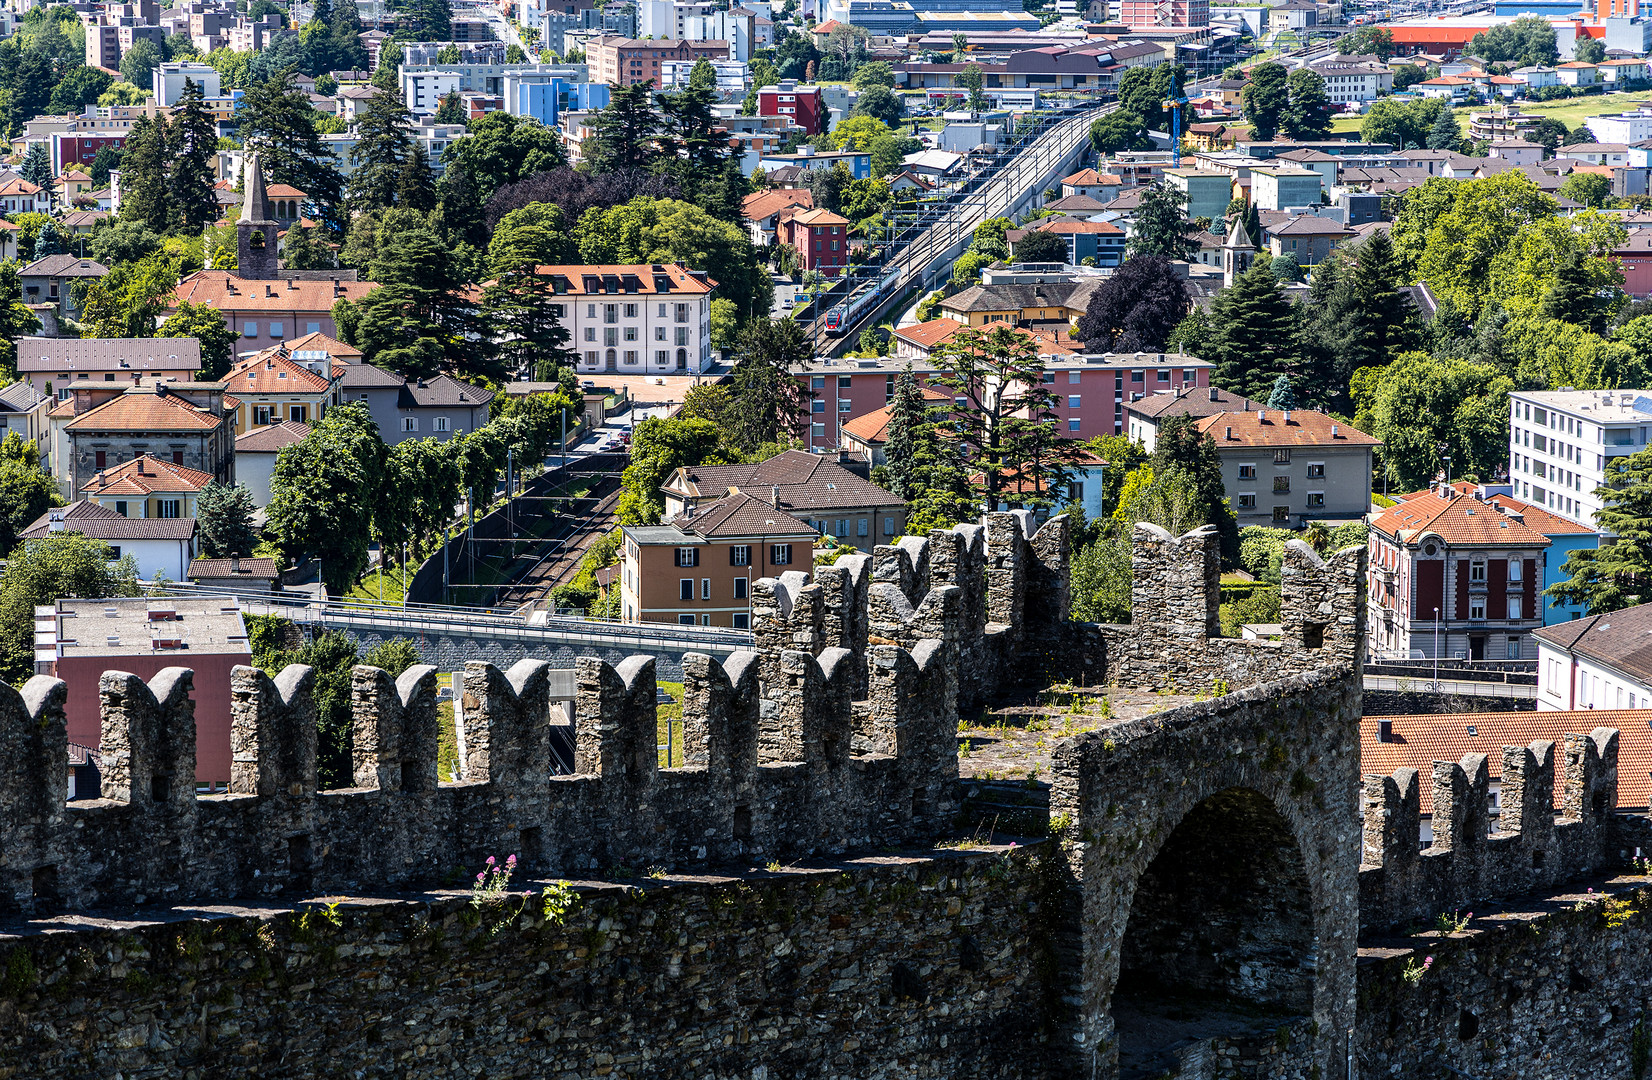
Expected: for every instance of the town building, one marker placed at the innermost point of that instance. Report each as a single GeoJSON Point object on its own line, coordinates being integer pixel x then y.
{"type": "Point", "coordinates": [262, 303]}
{"type": "Point", "coordinates": [866, 434]}
{"type": "Point", "coordinates": [78, 640]}
{"type": "Point", "coordinates": [820, 238]}
{"type": "Point", "coordinates": [53, 366]}
{"type": "Point", "coordinates": [622, 61]}
{"type": "Point", "coordinates": [1388, 743]}
{"type": "Point", "coordinates": [147, 487]}
{"type": "Point", "coordinates": [167, 80]}
{"type": "Point", "coordinates": [1597, 662]}
{"type": "Point", "coordinates": [1307, 238]}
{"type": "Point", "coordinates": [1146, 413]}
{"type": "Point", "coordinates": [255, 453]}
{"type": "Point", "coordinates": [185, 423]}
{"type": "Point", "coordinates": [637, 318]}
{"type": "Point", "coordinates": [159, 547]}
{"type": "Point", "coordinates": [237, 574]}
{"type": "Point", "coordinates": [47, 284]}
{"type": "Point", "coordinates": [697, 568]}
{"type": "Point", "coordinates": [1560, 442]}
{"type": "Point", "coordinates": [1353, 78]}
{"type": "Point", "coordinates": [1286, 467]}
{"type": "Point", "coordinates": [275, 385]}
{"type": "Point", "coordinates": [804, 106]}
{"type": "Point", "coordinates": [815, 488]}
{"type": "Point", "coordinates": [1089, 243]}
{"type": "Point", "coordinates": [1091, 388]}
{"type": "Point", "coordinates": [762, 210]}
{"type": "Point", "coordinates": [1452, 576]}
{"type": "Point", "coordinates": [1164, 12]}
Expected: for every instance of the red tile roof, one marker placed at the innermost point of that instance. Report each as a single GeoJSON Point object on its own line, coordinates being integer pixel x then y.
{"type": "Point", "coordinates": [1539, 518]}
{"type": "Point", "coordinates": [1419, 741]}
{"type": "Point", "coordinates": [737, 515]}
{"type": "Point", "coordinates": [145, 476]}
{"type": "Point", "coordinates": [1458, 520]}
{"type": "Point", "coordinates": [230, 292]}
{"type": "Point", "coordinates": [272, 373]}
{"type": "Point", "coordinates": [1282, 427]}
{"type": "Point", "coordinates": [144, 410]}
{"type": "Point", "coordinates": [760, 205]}
{"type": "Point", "coordinates": [270, 438]}
{"type": "Point", "coordinates": [873, 427]}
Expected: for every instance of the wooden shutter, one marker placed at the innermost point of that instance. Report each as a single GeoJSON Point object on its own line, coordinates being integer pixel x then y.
{"type": "Point", "coordinates": [1531, 588]}
{"type": "Point", "coordinates": [1497, 587]}
{"type": "Point", "coordinates": [1462, 588]}
{"type": "Point", "coordinates": [1430, 588]}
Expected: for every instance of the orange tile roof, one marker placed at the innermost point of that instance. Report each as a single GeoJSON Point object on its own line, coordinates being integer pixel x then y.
{"type": "Point", "coordinates": [1281, 427]}
{"type": "Point", "coordinates": [820, 216]}
{"type": "Point", "coordinates": [273, 373]}
{"type": "Point", "coordinates": [19, 186]}
{"type": "Point", "coordinates": [930, 334]}
{"type": "Point", "coordinates": [873, 427]}
{"type": "Point", "coordinates": [1539, 518]}
{"type": "Point", "coordinates": [1419, 741]}
{"type": "Point", "coordinates": [1457, 520]}
{"type": "Point", "coordinates": [145, 476]}
{"type": "Point", "coordinates": [213, 287]}
{"type": "Point", "coordinates": [319, 342]}
{"type": "Point", "coordinates": [147, 411]}
{"type": "Point", "coordinates": [762, 204]}
{"type": "Point", "coordinates": [574, 275]}
{"type": "Point", "coordinates": [285, 191]}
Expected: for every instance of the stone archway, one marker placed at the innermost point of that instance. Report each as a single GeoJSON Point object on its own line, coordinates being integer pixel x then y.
{"type": "Point", "coordinates": [1220, 939]}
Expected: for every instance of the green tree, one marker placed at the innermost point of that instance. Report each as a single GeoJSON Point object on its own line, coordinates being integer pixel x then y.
{"type": "Point", "coordinates": [108, 158]}
{"type": "Point", "coordinates": [1446, 133]}
{"type": "Point", "coordinates": [1180, 447]}
{"type": "Point", "coordinates": [773, 400]}
{"type": "Point", "coordinates": [26, 490]}
{"type": "Point", "coordinates": [139, 62]}
{"type": "Point", "coordinates": [659, 447]}
{"type": "Point", "coordinates": [1404, 124]}
{"type": "Point", "coordinates": [1527, 42]}
{"type": "Point", "coordinates": [451, 109]}
{"type": "Point", "coordinates": [146, 196]}
{"type": "Point", "coordinates": [1450, 233]}
{"type": "Point", "coordinates": [1618, 574]}
{"type": "Point", "coordinates": [725, 323]}
{"type": "Point", "coordinates": [1040, 246]}
{"type": "Point", "coordinates": [383, 148]}
{"type": "Point", "coordinates": [322, 491]}
{"type": "Point", "coordinates": [1283, 397]}
{"type": "Point", "coordinates": [206, 325]}
{"type": "Point", "coordinates": [1590, 189]}
{"type": "Point", "coordinates": [518, 303]}
{"type": "Point", "coordinates": [970, 79]}
{"type": "Point", "coordinates": [223, 515]}
{"type": "Point", "coordinates": [1255, 333]}
{"type": "Point", "coordinates": [303, 249]}
{"type": "Point", "coordinates": [125, 240]}
{"type": "Point", "coordinates": [1265, 99]}
{"type": "Point", "coordinates": [1161, 227]}
{"type": "Point", "coordinates": [874, 73]}
{"type": "Point", "coordinates": [192, 143]}
{"type": "Point", "coordinates": [1118, 131]}
{"type": "Point", "coordinates": [1589, 50]}
{"type": "Point", "coordinates": [880, 103]}
{"type": "Point", "coordinates": [920, 467]}
{"type": "Point", "coordinates": [15, 317]}
{"type": "Point", "coordinates": [392, 656]}
{"type": "Point", "coordinates": [1375, 41]}
{"type": "Point", "coordinates": [1419, 402]}
{"type": "Point", "coordinates": [128, 300]}
{"type": "Point", "coordinates": [79, 87]}
{"type": "Point", "coordinates": [1309, 114]}
{"type": "Point", "coordinates": [277, 120]}
{"type": "Point", "coordinates": [989, 238]}
{"type": "Point", "coordinates": [649, 230]}
{"type": "Point", "coordinates": [623, 133]}
{"type": "Point", "coordinates": [66, 564]}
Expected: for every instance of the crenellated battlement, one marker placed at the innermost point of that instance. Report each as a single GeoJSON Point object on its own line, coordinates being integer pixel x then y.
{"type": "Point", "coordinates": [1533, 847]}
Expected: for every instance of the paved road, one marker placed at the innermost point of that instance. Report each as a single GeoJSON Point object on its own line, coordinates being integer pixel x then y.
{"type": "Point", "coordinates": [1425, 684]}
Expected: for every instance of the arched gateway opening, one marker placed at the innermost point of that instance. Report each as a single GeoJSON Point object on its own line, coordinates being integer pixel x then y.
{"type": "Point", "coordinates": [1221, 936]}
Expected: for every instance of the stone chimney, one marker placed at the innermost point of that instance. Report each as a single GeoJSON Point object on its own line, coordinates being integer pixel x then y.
{"type": "Point", "coordinates": [774, 496]}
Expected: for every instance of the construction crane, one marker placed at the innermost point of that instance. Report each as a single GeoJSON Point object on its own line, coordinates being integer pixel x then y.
{"type": "Point", "coordinates": [1176, 101]}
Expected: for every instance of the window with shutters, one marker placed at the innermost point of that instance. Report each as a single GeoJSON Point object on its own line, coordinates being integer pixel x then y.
{"type": "Point", "coordinates": [739, 555]}
{"type": "Point", "coordinates": [780, 554]}
{"type": "Point", "coordinates": [740, 588]}
{"type": "Point", "coordinates": [1477, 572]}
{"type": "Point", "coordinates": [685, 588]}
{"type": "Point", "coordinates": [688, 556]}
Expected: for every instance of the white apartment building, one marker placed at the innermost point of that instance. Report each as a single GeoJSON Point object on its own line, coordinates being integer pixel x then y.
{"type": "Point", "coordinates": [1354, 78]}
{"type": "Point", "coordinates": [1627, 127]}
{"type": "Point", "coordinates": [167, 81]}
{"type": "Point", "coordinates": [1561, 440]}
{"type": "Point", "coordinates": [423, 89]}
{"type": "Point", "coordinates": [635, 319]}
{"type": "Point", "coordinates": [1596, 662]}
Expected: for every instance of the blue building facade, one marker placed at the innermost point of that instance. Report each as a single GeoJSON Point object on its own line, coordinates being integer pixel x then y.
{"type": "Point", "coordinates": [547, 99]}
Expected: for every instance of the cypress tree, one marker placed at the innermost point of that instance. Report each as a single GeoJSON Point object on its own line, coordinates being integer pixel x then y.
{"type": "Point", "coordinates": [1257, 333]}
{"type": "Point", "coordinates": [1180, 446]}
{"type": "Point", "coordinates": [906, 416]}
{"type": "Point", "coordinates": [193, 142]}
{"type": "Point", "coordinates": [145, 194]}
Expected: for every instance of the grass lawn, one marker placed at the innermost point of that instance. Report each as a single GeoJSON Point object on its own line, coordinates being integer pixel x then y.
{"type": "Point", "coordinates": [392, 584]}
{"type": "Point", "coordinates": [1340, 124]}
{"type": "Point", "coordinates": [1573, 111]}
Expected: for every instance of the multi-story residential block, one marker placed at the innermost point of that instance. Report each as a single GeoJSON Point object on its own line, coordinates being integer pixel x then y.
{"type": "Point", "coordinates": [1089, 243]}
{"type": "Point", "coordinates": [623, 61]}
{"type": "Point", "coordinates": [49, 283]}
{"type": "Point", "coordinates": [1307, 238]}
{"type": "Point", "coordinates": [1285, 187]}
{"type": "Point", "coordinates": [1454, 576]}
{"type": "Point", "coordinates": [1164, 12]}
{"type": "Point", "coordinates": [78, 640]}
{"type": "Point", "coordinates": [805, 106]}
{"type": "Point", "coordinates": [1091, 389]}
{"type": "Point", "coordinates": [1146, 413]}
{"type": "Point", "coordinates": [167, 81]}
{"type": "Point", "coordinates": [275, 385]}
{"type": "Point", "coordinates": [820, 238]}
{"type": "Point", "coordinates": [638, 318]}
{"type": "Point", "coordinates": [1596, 662]}
{"type": "Point", "coordinates": [147, 487]}
{"type": "Point", "coordinates": [185, 423]}
{"type": "Point", "coordinates": [424, 89]}
{"type": "Point", "coordinates": [1286, 467]}
{"type": "Point", "coordinates": [814, 488]}
{"type": "Point", "coordinates": [1560, 442]}
{"type": "Point", "coordinates": [54, 366]}
{"type": "Point", "coordinates": [1353, 78]}
{"type": "Point", "coordinates": [697, 569]}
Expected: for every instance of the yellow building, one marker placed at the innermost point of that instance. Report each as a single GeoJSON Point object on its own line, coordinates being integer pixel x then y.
{"type": "Point", "coordinates": [272, 386]}
{"type": "Point", "coordinates": [147, 487]}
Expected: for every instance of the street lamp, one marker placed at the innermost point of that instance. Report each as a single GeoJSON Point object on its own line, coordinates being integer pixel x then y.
{"type": "Point", "coordinates": [1436, 650]}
